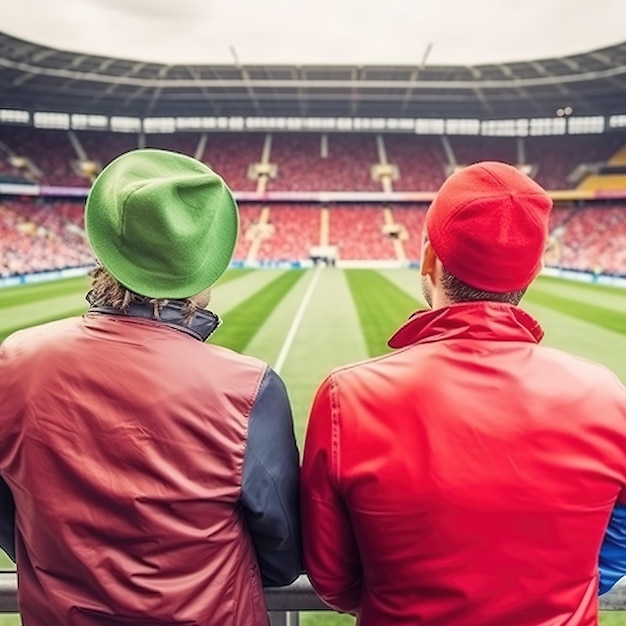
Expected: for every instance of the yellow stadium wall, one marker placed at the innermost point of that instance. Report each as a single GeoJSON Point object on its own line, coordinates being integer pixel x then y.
{"type": "Point", "coordinates": [619, 158]}
{"type": "Point", "coordinates": [605, 182]}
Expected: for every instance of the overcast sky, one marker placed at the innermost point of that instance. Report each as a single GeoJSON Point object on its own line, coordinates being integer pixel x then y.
{"type": "Point", "coordinates": [319, 31]}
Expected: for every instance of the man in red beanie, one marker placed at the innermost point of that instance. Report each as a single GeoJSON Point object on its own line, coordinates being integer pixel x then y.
{"type": "Point", "coordinates": [469, 476]}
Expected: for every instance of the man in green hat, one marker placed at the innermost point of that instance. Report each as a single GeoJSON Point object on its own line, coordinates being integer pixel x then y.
{"type": "Point", "coordinates": [155, 478]}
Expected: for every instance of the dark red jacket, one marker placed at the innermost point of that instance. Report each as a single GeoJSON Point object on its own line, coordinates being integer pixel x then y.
{"type": "Point", "coordinates": [465, 478]}
{"type": "Point", "coordinates": [127, 446]}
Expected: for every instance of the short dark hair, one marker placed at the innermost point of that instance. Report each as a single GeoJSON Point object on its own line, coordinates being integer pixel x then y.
{"type": "Point", "coordinates": [458, 291]}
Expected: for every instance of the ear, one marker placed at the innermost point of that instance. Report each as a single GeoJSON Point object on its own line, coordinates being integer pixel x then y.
{"type": "Point", "coordinates": [428, 263]}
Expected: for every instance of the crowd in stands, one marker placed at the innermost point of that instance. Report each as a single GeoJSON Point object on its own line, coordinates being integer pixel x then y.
{"type": "Point", "coordinates": [8, 172]}
{"type": "Point", "coordinates": [51, 158]}
{"type": "Point", "coordinates": [421, 162]}
{"type": "Point", "coordinates": [411, 219]}
{"type": "Point", "coordinates": [306, 161]}
{"type": "Point", "coordinates": [311, 163]}
{"type": "Point", "coordinates": [37, 235]}
{"type": "Point", "coordinates": [102, 148]}
{"type": "Point", "coordinates": [559, 216]}
{"type": "Point", "coordinates": [249, 217]}
{"type": "Point", "coordinates": [357, 231]}
{"type": "Point", "coordinates": [592, 239]}
{"type": "Point", "coordinates": [232, 155]}
{"type": "Point", "coordinates": [294, 230]}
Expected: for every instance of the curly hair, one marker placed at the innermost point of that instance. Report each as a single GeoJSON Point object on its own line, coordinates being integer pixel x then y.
{"type": "Point", "coordinates": [108, 292]}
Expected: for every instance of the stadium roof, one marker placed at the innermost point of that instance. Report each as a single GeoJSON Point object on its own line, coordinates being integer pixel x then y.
{"type": "Point", "coordinates": [38, 78]}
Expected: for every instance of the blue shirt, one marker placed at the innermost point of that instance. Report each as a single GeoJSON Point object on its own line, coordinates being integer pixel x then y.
{"type": "Point", "coordinates": [613, 552]}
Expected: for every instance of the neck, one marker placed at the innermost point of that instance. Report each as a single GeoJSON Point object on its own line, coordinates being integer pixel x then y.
{"type": "Point", "coordinates": [439, 299]}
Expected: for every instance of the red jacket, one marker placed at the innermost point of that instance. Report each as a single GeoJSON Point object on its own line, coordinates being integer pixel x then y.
{"type": "Point", "coordinates": [465, 478]}
{"type": "Point", "coordinates": [125, 445]}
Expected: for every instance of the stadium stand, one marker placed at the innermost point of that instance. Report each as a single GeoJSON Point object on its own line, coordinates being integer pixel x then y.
{"type": "Point", "coordinates": [558, 160]}
{"type": "Point", "coordinates": [411, 219]}
{"type": "Point", "coordinates": [593, 239]}
{"type": "Point", "coordinates": [230, 155]}
{"type": "Point", "coordinates": [249, 219]}
{"type": "Point", "coordinates": [38, 236]}
{"type": "Point", "coordinates": [312, 163]}
{"type": "Point", "coordinates": [101, 148]}
{"type": "Point", "coordinates": [293, 230]}
{"type": "Point", "coordinates": [468, 150]}
{"type": "Point", "coordinates": [421, 162]}
{"type": "Point", "coordinates": [48, 155]}
{"type": "Point", "coordinates": [9, 173]}
{"type": "Point", "coordinates": [185, 143]}
{"type": "Point", "coordinates": [357, 231]}
{"type": "Point", "coordinates": [41, 236]}
{"type": "Point", "coordinates": [586, 235]}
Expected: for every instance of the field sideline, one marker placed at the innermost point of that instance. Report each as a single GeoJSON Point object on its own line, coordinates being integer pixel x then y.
{"type": "Point", "coordinates": [305, 322]}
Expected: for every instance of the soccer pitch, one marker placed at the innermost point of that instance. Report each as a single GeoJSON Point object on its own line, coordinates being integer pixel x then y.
{"type": "Point", "coordinates": [305, 322]}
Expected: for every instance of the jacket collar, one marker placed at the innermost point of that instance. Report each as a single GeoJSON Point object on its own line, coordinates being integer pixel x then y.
{"type": "Point", "coordinates": [468, 320]}
{"type": "Point", "coordinates": [201, 325]}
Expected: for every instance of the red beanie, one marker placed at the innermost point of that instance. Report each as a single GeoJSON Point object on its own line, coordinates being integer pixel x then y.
{"type": "Point", "coordinates": [488, 225]}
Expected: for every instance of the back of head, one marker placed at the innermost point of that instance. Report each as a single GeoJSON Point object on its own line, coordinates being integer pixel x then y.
{"type": "Point", "coordinates": [488, 225]}
{"type": "Point", "coordinates": [162, 223]}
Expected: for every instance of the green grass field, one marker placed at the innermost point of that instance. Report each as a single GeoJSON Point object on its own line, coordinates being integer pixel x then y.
{"type": "Point", "coordinates": [349, 316]}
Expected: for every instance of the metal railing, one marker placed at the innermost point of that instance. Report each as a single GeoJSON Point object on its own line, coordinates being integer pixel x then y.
{"type": "Point", "coordinates": [284, 603]}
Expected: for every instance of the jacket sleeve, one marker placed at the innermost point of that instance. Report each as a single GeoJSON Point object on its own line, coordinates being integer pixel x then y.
{"type": "Point", "coordinates": [7, 506]}
{"type": "Point", "coordinates": [331, 556]}
{"type": "Point", "coordinates": [613, 551]}
{"type": "Point", "coordinates": [7, 521]}
{"type": "Point", "coordinates": [269, 492]}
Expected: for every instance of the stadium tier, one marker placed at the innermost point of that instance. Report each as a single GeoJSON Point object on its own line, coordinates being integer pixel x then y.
{"type": "Point", "coordinates": [39, 235]}
{"type": "Point", "coordinates": [308, 161]}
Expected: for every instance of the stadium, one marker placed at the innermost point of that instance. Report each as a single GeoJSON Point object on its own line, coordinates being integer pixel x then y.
{"type": "Point", "coordinates": [333, 168]}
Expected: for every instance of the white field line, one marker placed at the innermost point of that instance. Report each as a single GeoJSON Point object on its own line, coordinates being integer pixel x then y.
{"type": "Point", "coordinates": [297, 320]}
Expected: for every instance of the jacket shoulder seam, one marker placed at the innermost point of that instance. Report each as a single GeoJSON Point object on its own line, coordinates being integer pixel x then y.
{"type": "Point", "coordinates": [335, 429]}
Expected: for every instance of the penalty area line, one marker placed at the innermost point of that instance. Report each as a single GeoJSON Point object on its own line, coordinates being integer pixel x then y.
{"type": "Point", "coordinates": [293, 329]}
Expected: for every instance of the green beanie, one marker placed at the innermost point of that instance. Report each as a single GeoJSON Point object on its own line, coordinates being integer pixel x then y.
{"type": "Point", "coordinates": [163, 224]}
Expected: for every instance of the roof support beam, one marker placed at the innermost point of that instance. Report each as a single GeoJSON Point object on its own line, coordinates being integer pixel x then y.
{"type": "Point", "coordinates": [156, 92]}
{"type": "Point", "coordinates": [354, 92]}
{"type": "Point", "coordinates": [435, 85]}
{"type": "Point", "coordinates": [208, 97]}
{"type": "Point", "coordinates": [296, 73]}
{"type": "Point", "coordinates": [414, 76]}
{"type": "Point", "coordinates": [245, 76]}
